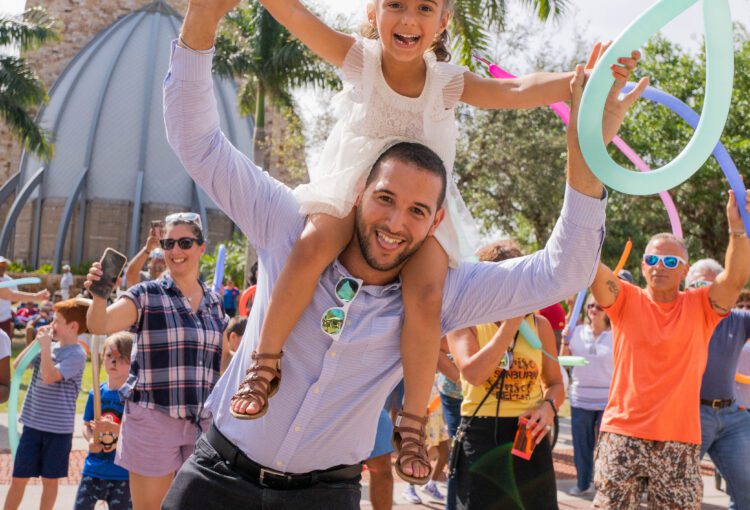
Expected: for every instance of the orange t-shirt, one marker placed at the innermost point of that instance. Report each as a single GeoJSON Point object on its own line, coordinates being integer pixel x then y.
{"type": "Point", "coordinates": [660, 353]}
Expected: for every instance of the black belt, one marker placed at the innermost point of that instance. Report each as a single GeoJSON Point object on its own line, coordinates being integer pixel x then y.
{"type": "Point", "coordinates": [265, 477]}
{"type": "Point", "coordinates": [718, 403]}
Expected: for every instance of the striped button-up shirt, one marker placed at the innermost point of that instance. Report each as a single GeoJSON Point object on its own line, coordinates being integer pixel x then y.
{"type": "Point", "coordinates": [326, 411]}
{"type": "Point", "coordinates": [177, 352]}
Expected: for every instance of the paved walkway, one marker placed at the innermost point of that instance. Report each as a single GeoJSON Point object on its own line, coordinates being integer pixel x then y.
{"type": "Point", "coordinates": [563, 456]}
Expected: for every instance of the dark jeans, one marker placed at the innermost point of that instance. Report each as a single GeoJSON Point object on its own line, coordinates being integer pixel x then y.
{"type": "Point", "coordinates": [489, 477]}
{"type": "Point", "coordinates": [206, 482]}
{"type": "Point", "coordinates": [585, 427]}
{"type": "Point", "coordinates": [452, 417]}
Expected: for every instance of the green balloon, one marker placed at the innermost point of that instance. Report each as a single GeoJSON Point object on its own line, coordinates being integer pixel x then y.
{"type": "Point", "coordinates": [15, 386]}
{"type": "Point", "coordinates": [719, 74]}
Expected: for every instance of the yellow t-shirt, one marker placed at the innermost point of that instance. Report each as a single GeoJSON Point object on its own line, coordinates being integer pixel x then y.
{"type": "Point", "coordinates": [522, 389]}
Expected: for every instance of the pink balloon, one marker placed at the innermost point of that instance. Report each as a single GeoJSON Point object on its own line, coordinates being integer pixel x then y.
{"type": "Point", "coordinates": [562, 111]}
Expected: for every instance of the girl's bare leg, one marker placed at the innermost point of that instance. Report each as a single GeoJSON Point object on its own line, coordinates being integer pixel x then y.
{"type": "Point", "coordinates": [423, 277]}
{"type": "Point", "coordinates": [323, 238]}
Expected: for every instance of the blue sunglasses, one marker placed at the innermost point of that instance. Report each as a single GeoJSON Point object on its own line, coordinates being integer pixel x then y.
{"type": "Point", "coordinates": [668, 261]}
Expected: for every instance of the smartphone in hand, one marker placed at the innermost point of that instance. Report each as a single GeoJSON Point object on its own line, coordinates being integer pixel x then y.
{"type": "Point", "coordinates": [157, 226]}
{"type": "Point", "coordinates": [523, 444]}
{"type": "Point", "coordinates": [112, 263]}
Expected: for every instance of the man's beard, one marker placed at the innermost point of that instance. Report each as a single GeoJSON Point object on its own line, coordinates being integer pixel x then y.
{"type": "Point", "coordinates": [367, 254]}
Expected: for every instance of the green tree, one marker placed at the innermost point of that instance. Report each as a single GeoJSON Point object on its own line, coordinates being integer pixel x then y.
{"type": "Point", "coordinates": [234, 262]}
{"type": "Point", "coordinates": [475, 21]}
{"type": "Point", "coordinates": [20, 87]}
{"type": "Point", "coordinates": [510, 164]}
{"type": "Point", "coordinates": [252, 47]}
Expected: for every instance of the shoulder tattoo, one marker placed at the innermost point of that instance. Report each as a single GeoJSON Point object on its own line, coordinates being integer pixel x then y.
{"type": "Point", "coordinates": [716, 306]}
{"type": "Point", "coordinates": [613, 288]}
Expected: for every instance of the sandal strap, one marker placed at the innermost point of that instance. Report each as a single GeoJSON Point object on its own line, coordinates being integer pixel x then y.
{"type": "Point", "coordinates": [400, 430]}
{"type": "Point", "coordinates": [266, 355]}
{"type": "Point", "coordinates": [419, 419]}
{"type": "Point", "coordinates": [254, 369]}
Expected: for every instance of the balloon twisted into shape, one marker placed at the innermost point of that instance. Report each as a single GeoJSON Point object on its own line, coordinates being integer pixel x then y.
{"type": "Point", "coordinates": [719, 73]}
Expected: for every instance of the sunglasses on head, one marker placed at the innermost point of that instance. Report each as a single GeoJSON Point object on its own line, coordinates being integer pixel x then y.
{"type": "Point", "coordinates": [668, 261]}
{"type": "Point", "coordinates": [333, 320]}
{"type": "Point", "coordinates": [185, 243]}
{"type": "Point", "coordinates": [190, 217]}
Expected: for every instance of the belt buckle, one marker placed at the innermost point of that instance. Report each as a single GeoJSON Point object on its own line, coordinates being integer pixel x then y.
{"type": "Point", "coordinates": [269, 472]}
{"type": "Point", "coordinates": [717, 404]}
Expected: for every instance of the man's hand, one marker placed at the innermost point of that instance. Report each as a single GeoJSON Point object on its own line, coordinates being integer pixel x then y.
{"type": "Point", "coordinates": [44, 336]}
{"type": "Point", "coordinates": [734, 218]}
{"type": "Point", "coordinates": [199, 29]}
{"type": "Point", "coordinates": [42, 295]}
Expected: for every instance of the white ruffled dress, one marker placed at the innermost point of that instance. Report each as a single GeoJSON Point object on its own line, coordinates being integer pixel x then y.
{"type": "Point", "coordinates": [371, 117]}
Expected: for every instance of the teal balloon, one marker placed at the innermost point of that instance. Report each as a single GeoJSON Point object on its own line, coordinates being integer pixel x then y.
{"type": "Point", "coordinates": [15, 387]}
{"type": "Point", "coordinates": [719, 74]}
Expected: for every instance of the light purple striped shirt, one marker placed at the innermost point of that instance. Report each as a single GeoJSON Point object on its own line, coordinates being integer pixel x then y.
{"type": "Point", "coordinates": [327, 409]}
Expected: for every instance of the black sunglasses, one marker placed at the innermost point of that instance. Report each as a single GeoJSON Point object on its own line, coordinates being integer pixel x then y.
{"type": "Point", "coordinates": [185, 243]}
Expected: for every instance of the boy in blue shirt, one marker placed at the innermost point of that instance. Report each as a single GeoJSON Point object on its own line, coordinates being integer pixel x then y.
{"type": "Point", "coordinates": [102, 479]}
{"type": "Point", "coordinates": [48, 413]}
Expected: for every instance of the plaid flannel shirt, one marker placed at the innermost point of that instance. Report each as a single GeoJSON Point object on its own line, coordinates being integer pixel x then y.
{"type": "Point", "coordinates": [177, 353]}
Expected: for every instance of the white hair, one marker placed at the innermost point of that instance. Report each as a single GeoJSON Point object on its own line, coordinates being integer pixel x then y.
{"type": "Point", "coordinates": [701, 266]}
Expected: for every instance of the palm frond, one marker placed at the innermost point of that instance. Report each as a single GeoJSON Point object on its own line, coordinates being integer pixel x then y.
{"type": "Point", "coordinates": [30, 30]}
{"type": "Point", "coordinates": [20, 122]}
{"type": "Point", "coordinates": [19, 83]}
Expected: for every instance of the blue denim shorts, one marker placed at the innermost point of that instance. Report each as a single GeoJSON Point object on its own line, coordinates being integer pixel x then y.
{"type": "Point", "coordinates": [384, 436]}
{"type": "Point", "coordinates": [42, 454]}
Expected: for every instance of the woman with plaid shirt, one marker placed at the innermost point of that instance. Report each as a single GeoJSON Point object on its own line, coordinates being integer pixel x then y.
{"type": "Point", "coordinates": [178, 323]}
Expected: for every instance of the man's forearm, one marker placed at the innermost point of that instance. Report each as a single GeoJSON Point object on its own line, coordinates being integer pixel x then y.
{"type": "Point", "coordinates": [737, 260]}
{"type": "Point", "coordinates": [199, 28]}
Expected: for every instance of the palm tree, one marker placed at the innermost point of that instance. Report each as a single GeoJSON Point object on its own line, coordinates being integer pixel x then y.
{"type": "Point", "coordinates": [475, 20]}
{"type": "Point", "coordinates": [20, 87]}
{"type": "Point", "coordinates": [253, 47]}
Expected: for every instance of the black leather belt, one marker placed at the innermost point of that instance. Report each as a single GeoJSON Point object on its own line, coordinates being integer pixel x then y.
{"type": "Point", "coordinates": [265, 477]}
{"type": "Point", "coordinates": [718, 403]}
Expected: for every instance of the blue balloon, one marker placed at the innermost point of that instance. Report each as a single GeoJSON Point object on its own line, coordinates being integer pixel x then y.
{"type": "Point", "coordinates": [719, 152]}
{"type": "Point", "coordinates": [576, 312]}
{"type": "Point", "coordinates": [221, 257]}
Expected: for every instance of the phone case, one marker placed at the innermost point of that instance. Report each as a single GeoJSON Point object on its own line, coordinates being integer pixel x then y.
{"type": "Point", "coordinates": [523, 444]}
{"type": "Point", "coordinates": [112, 263]}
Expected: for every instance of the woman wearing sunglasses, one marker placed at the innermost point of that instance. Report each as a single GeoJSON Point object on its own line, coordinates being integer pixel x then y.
{"type": "Point", "coordinates": [178, 322]}
{"type": "Point", "coordinates": [589, 389]}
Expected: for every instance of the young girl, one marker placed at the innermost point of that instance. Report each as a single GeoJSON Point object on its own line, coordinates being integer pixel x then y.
{"type": "Point", "coordinates": [398, 85]}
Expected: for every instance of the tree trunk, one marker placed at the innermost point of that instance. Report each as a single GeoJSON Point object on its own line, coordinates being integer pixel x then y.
{"type": "Point", "coordinates": [260, 154]}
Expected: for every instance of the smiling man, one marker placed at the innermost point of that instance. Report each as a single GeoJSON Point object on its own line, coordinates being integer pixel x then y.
{"type": "Point", "coordinates": [343, 358]}
{"type": "Point", "coordinates": [651, 434]}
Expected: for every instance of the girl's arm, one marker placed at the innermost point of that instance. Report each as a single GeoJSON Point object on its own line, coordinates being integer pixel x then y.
{"type": "Point", "coordinates": [530, 91]}
{"type": "Point", "coordinates": [477, 365]}
{"type": "Point", "coordinates": [329, 44]}
{"type": "Point", "coordinates": [446, 365]}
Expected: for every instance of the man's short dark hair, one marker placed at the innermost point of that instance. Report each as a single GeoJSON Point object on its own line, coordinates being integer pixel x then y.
{"type": "Point", "coordinates": [417, 154]}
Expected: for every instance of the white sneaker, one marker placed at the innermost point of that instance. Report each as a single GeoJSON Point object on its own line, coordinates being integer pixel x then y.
{"type": "Point", "coordinates": [575, 491]}
{"type": "Point", "coordinates": [410, 495]}
{"type": "Point", "coordinates": [432, 490]}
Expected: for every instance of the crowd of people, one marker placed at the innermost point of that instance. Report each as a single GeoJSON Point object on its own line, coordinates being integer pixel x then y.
{"type": "Point", "coordinates": [391, 343]}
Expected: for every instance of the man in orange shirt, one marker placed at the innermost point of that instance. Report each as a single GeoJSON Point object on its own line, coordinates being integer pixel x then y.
{"type": "Point", "coordinates": [650, 434]}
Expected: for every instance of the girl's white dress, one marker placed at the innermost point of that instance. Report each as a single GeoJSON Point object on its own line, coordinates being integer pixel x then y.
{"type": "Point", "coordinates": [370, 118]}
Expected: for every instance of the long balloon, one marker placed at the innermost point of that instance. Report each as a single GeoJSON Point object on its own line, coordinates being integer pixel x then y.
{"type": "Point", "coordinates": [31, 280]}
{"type": "Point", "coordinates": [623, 257]}
{"type": "Point", "coordinates": [15, 386]}
{"type": "Point", "coordinates": [563, 111]}
{"type": "Point", "coordinates": [221, 257]}
{"type": "Point", "coordinates": [719, 74]}
{"type": "Point", "coordinates": [719, 152]}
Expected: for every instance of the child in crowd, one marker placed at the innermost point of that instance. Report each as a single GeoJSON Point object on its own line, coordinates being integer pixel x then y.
{"type": "Point", "coordinates": [398, 86]}
{"type": "Point", "coordinates": [102, 479]}
{"type": "Point", "coordinates": [48, 413]}
{"type": "Point", "coordinates": [232, 337]}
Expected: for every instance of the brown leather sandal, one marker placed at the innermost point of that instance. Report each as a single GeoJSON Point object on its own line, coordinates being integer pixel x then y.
{"type": "Point", "coordinates": [411, 449]}
{"type": "Point", "coordinates": [256, 388]}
